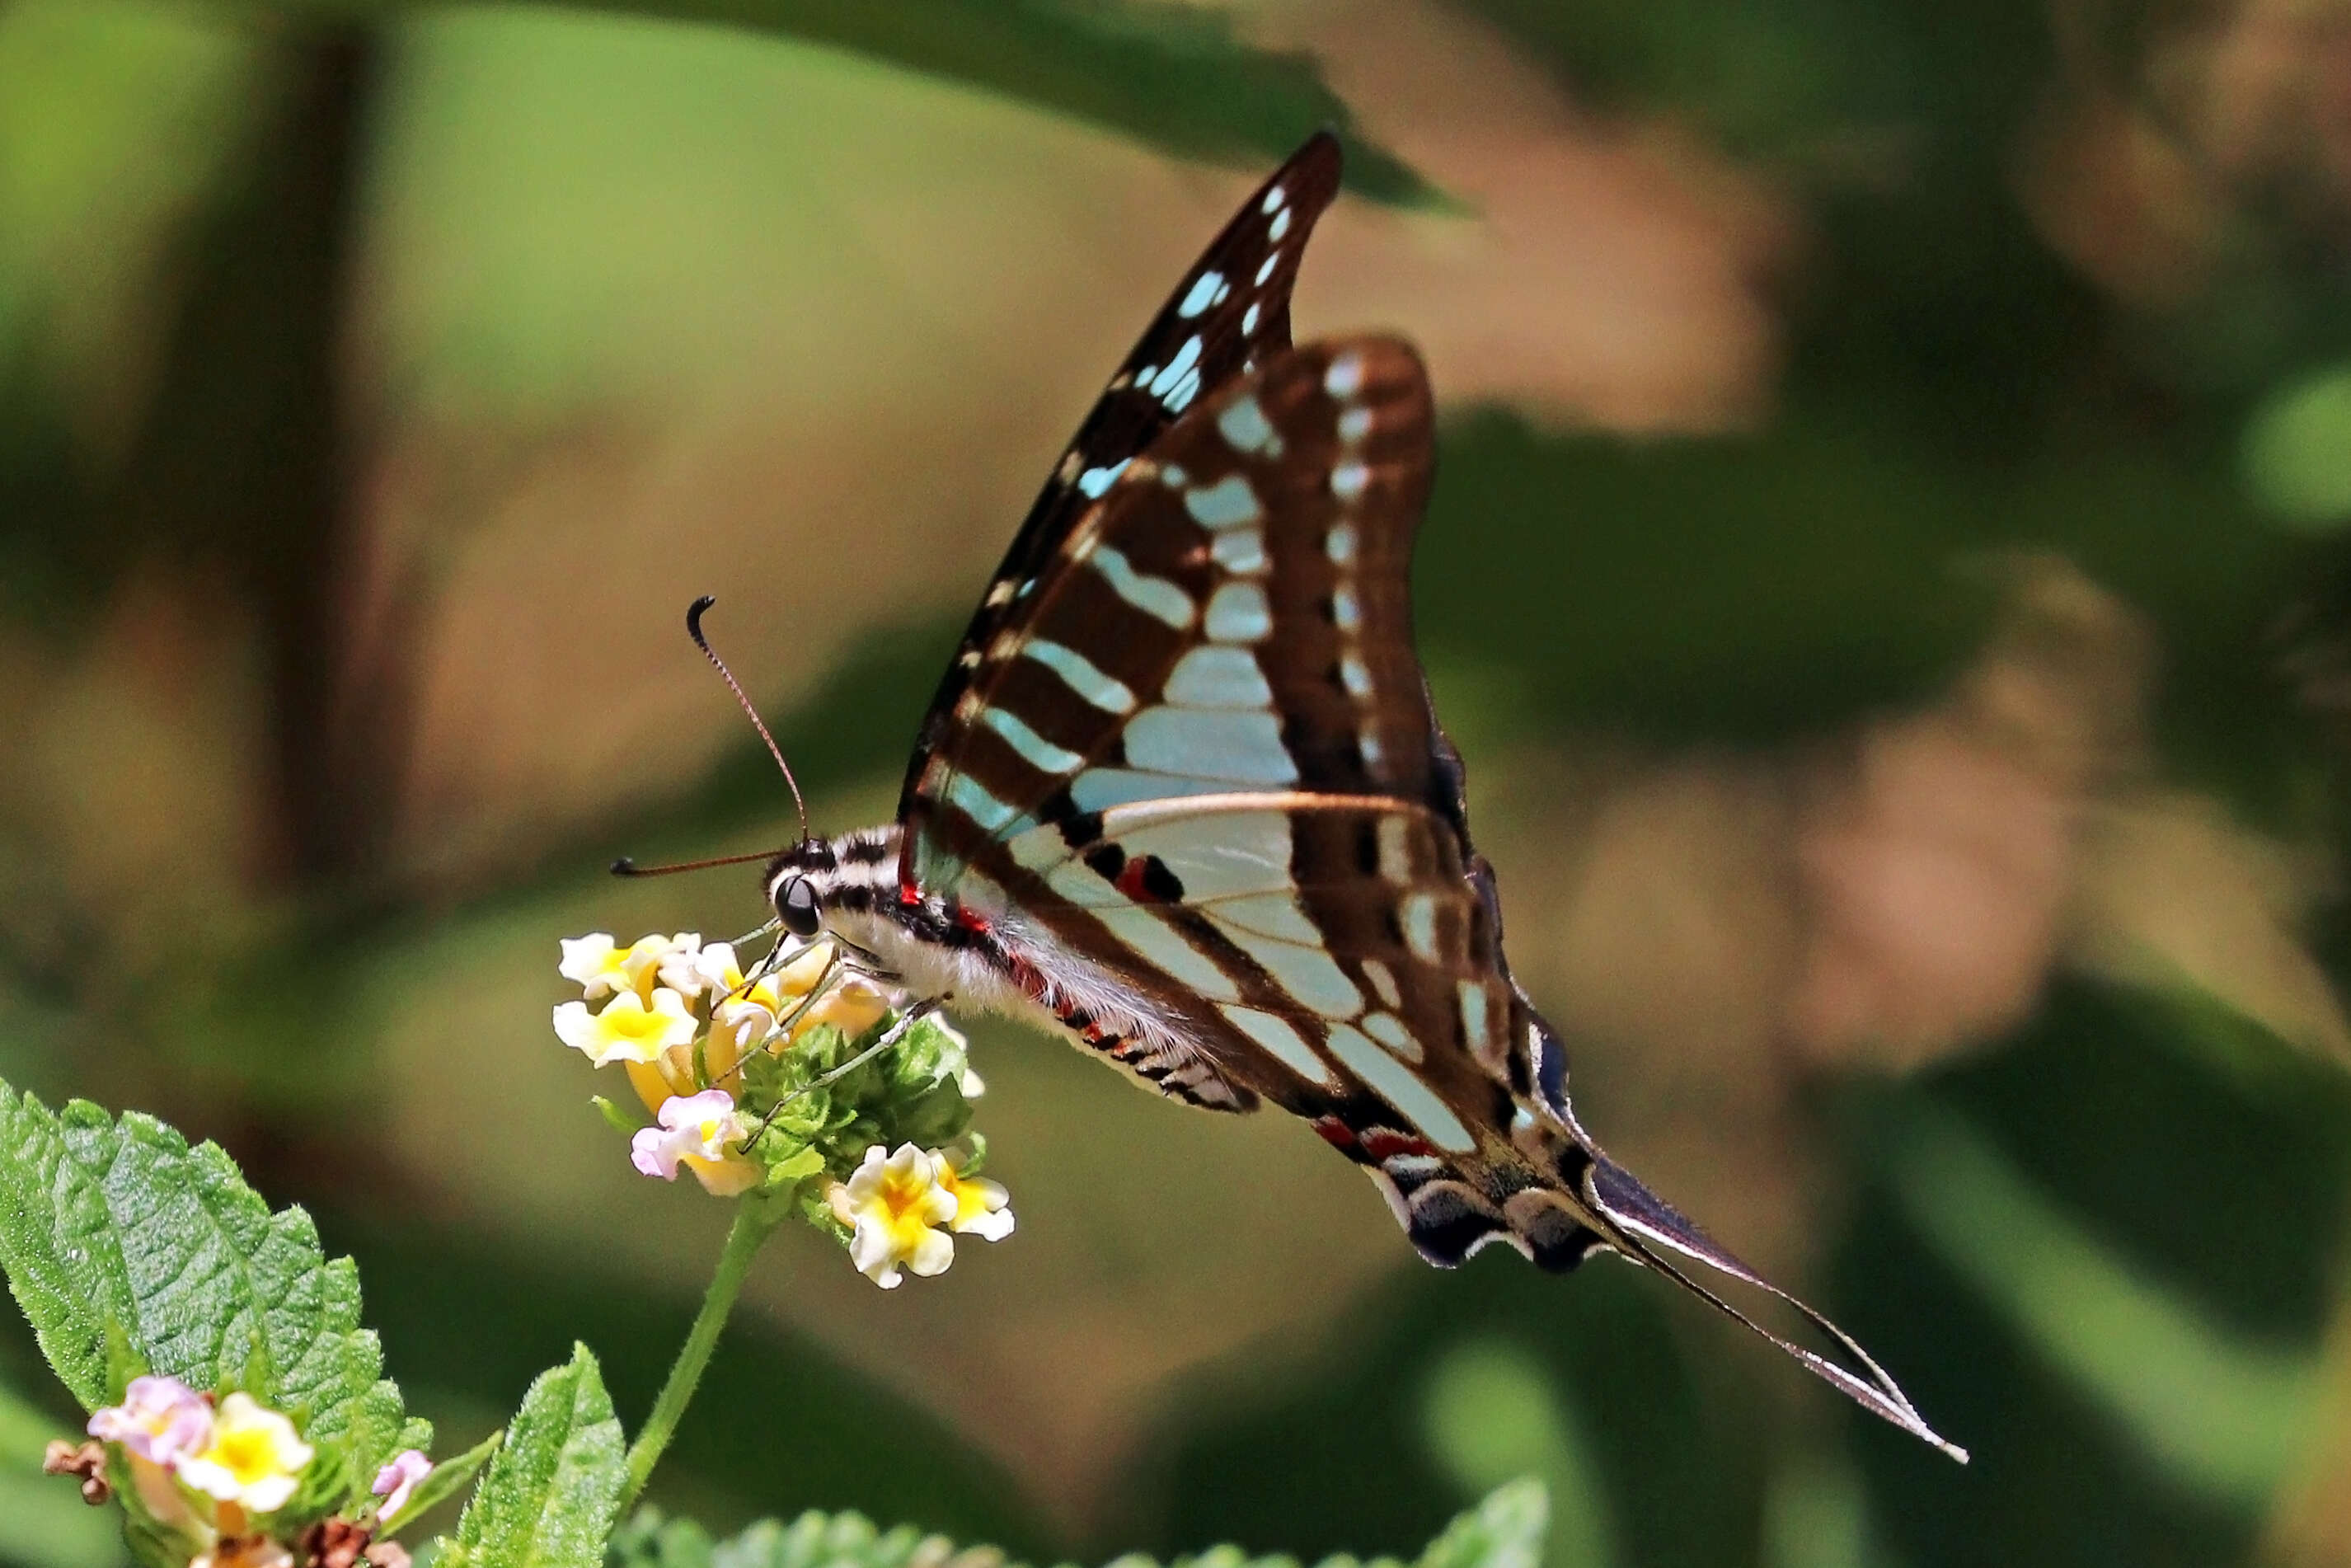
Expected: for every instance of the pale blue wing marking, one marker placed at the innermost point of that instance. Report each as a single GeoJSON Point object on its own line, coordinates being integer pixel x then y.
{"type": "Point", "coordinates": [1034, 748]}
{"type": "Point", "coordinates": [1281, 1042]}
{"type": "Point", "coordinates": [1082, 676]}
{"type": "Point", "coordinates": [1155, 596]}
{"type": "Point", "coordinates": [1393, 1082]}
{"type": "Point", "coordinates": [1228, 503]}
{"type": "Point", "coordinates": [1217, 676]}
{"type": "Point", "coordinates": [1152, 939]}
{"type": "Point", "coordinates": [1237, 747]}
{"type": "Point", "coordinates": [1237, 613]}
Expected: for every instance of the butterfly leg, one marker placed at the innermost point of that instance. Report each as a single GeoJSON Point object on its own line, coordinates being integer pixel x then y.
{"type": "Point", "coordinates": [913, 1015]}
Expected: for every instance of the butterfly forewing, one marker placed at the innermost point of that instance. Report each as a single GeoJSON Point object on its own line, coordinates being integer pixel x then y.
{"type": "Point", "coordinates": [1230, 313]}
{"type": "Point", "coordinates": [1233, 615]}
{"type": "Point", "coordinates": [1204, 757]}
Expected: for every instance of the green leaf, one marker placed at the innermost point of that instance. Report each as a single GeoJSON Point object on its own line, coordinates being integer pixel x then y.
{"type": "Point", "coordinates": [1493, 1413]}
{"type": "Point", "coordinates": [1506, 1531]}
{"type": "Point", "coordinates": [449, 1478]}
{"type": "Point", "coordinates": [650, 1541]}
{"type": "Point", "coordinates": [550, 1494]}
{"type": "Point", "coordinates": [1172, 75]}
{"type": "Point", "coordinates": [126, 1248]}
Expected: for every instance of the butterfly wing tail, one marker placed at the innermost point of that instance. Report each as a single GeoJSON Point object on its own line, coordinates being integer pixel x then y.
{"type": "Point", "coordinates": [1560, 1208]}
{"type": "Point", "coordinates": [1652, 1231]}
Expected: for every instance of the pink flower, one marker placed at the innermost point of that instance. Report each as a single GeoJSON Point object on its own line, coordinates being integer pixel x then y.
{"type": "Point", "coordinates": [397, 1480]}
{"type": "Point", "coordinates": [160, 1419]}
{"type": "Point", "coordinates": [693, 1126]}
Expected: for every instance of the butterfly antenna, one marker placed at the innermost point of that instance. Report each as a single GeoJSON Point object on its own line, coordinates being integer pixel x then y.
{"type": "Point", "coordinates": [693, 630]}
{"type": "Point", "coordinates": [624, 866]}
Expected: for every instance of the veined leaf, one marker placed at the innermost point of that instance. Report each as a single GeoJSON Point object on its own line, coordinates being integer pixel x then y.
{"type": "Point", "coordinates": [551, 1492]}
{"type": "Point", "coordinates": [124, 1245]}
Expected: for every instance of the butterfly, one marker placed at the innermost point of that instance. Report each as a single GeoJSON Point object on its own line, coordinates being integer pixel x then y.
{"type": "Point", "coordinates": [1182, 795]}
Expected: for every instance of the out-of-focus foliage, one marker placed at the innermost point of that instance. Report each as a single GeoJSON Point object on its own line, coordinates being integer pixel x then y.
{"type": "Point", "coordinates": [1913, 745]}
{"type": "Point", "coordinates": [1505, 1531]}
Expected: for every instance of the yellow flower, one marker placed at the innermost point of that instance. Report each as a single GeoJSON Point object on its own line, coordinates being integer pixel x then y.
{"type": "Point", "coordinates": [742, 1010]}
{"type": "Point", "coordinates": [627, 1030]}
{"type": "Point", "coordinates": [254, 1460]}
{"type": "Point", "coordinates": [896, 1205]}
{"type": "Point", "coordinates": [980, 1204]}
{"type": "Point", "coordinates": [854, 1006]}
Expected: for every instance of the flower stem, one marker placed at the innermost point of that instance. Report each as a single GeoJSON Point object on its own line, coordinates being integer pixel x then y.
{"type": "Point", "coordinates": [754, 1221]}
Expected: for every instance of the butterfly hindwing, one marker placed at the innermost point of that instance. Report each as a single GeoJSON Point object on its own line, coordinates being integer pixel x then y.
{"type": "Point", "coordinates": [1230, 313]}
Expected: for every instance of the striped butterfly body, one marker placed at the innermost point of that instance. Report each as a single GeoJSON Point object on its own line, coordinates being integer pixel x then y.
{"type": "Point", "coordinates": [1182, 797]}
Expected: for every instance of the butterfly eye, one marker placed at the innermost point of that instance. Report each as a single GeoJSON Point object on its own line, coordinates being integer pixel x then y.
{"type": "Point", "coordinates": [795, 907]}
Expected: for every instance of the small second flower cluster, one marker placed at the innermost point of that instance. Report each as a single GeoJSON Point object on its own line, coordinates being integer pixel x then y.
{"type": "Point", "coordinates": [217, 1471]}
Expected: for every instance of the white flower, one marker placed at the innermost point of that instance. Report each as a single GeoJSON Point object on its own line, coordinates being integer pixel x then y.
{"type": "Point", "coordinates": [896, 1205]}
{"type": "Point", "coordinates": [396, 1480]}
{"type": "Point", "coordinates": [255, 1459]}
{"type": "Point", "coordinates": [743, 1010]}
{"type": "Point", "coordinates": [697, 1127]}
{"type": "Point", "coordinates": [680, 963]}
{"type": "Point", "coordinates": [160, 1419]}
{"type": "Point", "coordinates": [594, 963]}
{"type": "Point", "coordinates": [980, 1204]}
{"type": "Point", "coordinates": [602, 968]}
{"type": "Point", "coordinates": [627, 1030]}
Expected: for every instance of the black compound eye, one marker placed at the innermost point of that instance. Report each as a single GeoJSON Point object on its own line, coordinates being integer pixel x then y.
{"type": "Point", "coordinates": [796, 907]}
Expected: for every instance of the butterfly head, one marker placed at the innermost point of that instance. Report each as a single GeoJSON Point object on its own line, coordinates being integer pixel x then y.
{"type": "Point", "coordinates": [796, 907]}
{"type": "Point", "coordinates": [796, 881]}
{"type": "Point", "coordinates": [814, 883]}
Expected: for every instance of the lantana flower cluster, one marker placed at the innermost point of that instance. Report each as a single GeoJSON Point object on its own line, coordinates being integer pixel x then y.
{"type": "Point", "coordinates": [762, 1080]}
{"type": "Point", "coordinates": [218, 1474]}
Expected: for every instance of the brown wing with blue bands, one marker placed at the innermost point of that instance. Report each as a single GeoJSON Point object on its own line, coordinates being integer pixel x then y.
{"type": "Point", "coordinates": [1201, 755]}
{"type": "Point", "coordinates": [1234, 614]}
{"type": "Point", "coordinates": [1230, 313]}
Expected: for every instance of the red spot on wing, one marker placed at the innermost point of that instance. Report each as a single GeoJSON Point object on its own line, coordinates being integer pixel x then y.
{"type": "Point", "coordinates": [1130, 879]}
{"type": "Point", "coordinates": [1335, 1132]}
{"type": "Point", "coordinates": [972, 920]}
{"type": "Point", "coordinates": [1382, 1143]}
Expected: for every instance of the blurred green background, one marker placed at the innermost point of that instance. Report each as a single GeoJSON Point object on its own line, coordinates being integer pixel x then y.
{"type": "Point", "coordinates": [1888, 575]}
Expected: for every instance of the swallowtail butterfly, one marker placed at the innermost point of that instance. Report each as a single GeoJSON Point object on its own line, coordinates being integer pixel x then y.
{"type": "Point", "coordinates": [1181, 796]}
